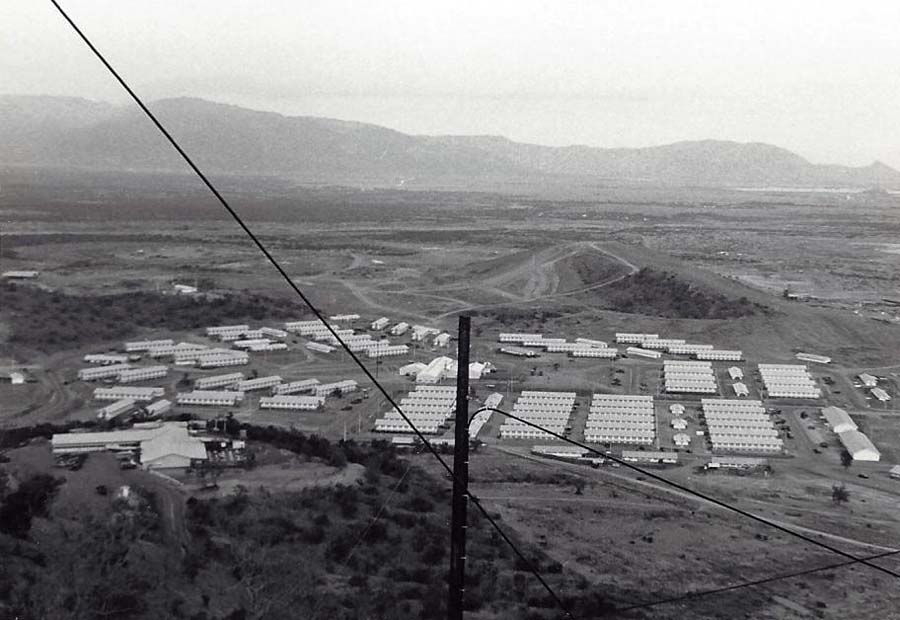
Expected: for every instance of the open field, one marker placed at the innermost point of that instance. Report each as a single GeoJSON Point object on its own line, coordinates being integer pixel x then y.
{"type": "Point", "coordinates": [707, 265]}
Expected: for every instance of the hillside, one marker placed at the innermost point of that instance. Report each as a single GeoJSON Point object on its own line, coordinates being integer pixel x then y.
{"type": "Point", "coordinates": [227, 139]}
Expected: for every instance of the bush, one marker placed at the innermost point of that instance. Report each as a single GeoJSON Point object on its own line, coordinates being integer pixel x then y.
{"type": "Point", "coordinates": [30, 500]}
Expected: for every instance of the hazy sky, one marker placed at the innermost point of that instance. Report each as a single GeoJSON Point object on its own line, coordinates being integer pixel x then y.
{"type": "Point", "coordinates": [821, 78]}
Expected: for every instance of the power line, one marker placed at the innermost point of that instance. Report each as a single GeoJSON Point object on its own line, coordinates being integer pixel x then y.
{"type": "Point", "coordinates": [756, 582]}
{"type": "Point", "coordinates": [703, 496]}
{"type": "Point", "coordinates": [302, 296]}
{"type": "Point", "coordinates": [365, 531]}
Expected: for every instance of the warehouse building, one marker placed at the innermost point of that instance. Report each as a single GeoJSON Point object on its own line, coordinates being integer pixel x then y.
{"type": "Point", "coordinates": [735, 373]}
{"type": "Point", "coordinates": [260, 383]}
{"type": "Point", "coordinates": [476, 369]}
{"type": "Point", "coordinates": [838, 420]}
{"type": "Point", "coordinates": [295, 387]}
{"type": "Point", "coordinates": [595, 352]}
{"type": "Point", "coordinates": [560, 451]}
{"type": "Point", "coordinates": [273, 332]}
{"type": "Point", "coordinates": [599, 344]}
{"type": "Point", "coordinates": [626, 338]}
{"type": "Point", "coordinates": [172, 450]}
{"type": "Point", "coordinates": [859, 446]}
{"type": "Point", "coordinates": [386, 350]}
{"type": "Point", "coordinates": [435, 371]}
{"type": "Point", "coordinates": [399, 329]}
{"type": "Point", "coordinates": [208, 383]}
{"type": "Point", "coordinates": [159, 407]}
{"type": "Point", "coordinates": [250, 334]}
{"type": "Point", "coordinates": [219, 360]}
{"type": "Point", "coordinates": [647, 353]}
{"type": "Point", "coordinates": [880, 394]}
{"type": "Point", "coordinates": [189, 357]}
{"type": "Point", "coordinates": [518, 352]}
{"type": "Point", "coordinates": [294, 403]}
{"type": "Point", "coordinates": [210, 398]}
{"type": "Point", "coordinates": [328, 389]}
{"type": "Point", "coordinates": [721, 355]}
{"type": "Point", "coordinates": [225, 329]}
{"type": "Point", "coordinates": [379, 324]}
{"type": "Point", "coordinates": [420, 332]}
{"type": "Point", "coordinates": [411, 370]}
{"type": "Point", "coordinates": [304, 327]}
{"type": "Point", "coordinates": [138, 394]}
{"type": "Point", "coordinates": [272, 346]}
{"type": "Point", "coordinates": [344, 318]}
{"type": "Point", "coordinates": [661, 458]}
{"type": "Point", "coordinates": [542, 342]}
{"type": "Point", "coordinates": [688, 349]}
{"type": "Point", "coordinates": [866, 379]}
{"type": "Point", "coordinates": [96, 373]}
{"type": "Point", "coordinates": [146, 345]}
{"type": "Point", "coordinates": [160, 445]}
{"type": "Point", "coordinates": [482, 417]}
{"type": "Point", "coordinates": [518, 338]}
{"type": "Point", "coordinates": [105, 359]}
{"type": "Point", "coordinates": [736, 462]}
{"type": "Point", "coordinates": [811, 357]}
{"type": "Point", "coordinates": [165, 350]}
{"type": "Point", "coordinates": [20, 274]}
{"type": "Point", "coordinates": [563, 347]}
{"type": "Point", "coordinates": [249, 342]}
{"type": "Point", "coordinates": [114, 410]}
{"type": "Point", "coordinates": [133, 375]}
{"type": "Point", "coordinates": [319, 347]}
{"type": "Point", "coordinates": [662, 344]}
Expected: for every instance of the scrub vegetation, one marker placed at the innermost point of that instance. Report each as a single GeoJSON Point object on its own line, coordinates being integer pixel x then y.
{"type": "Point", "coordinates": [53, 321]}
{"type": "Point", "coordinates": [663, 294]}
{"type": "Point", "coordinates": [319, 552]}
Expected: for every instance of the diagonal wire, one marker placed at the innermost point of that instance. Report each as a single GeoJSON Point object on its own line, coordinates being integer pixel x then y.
{"type": "Point", "coordinates": [756, 582]}
{"type": "Point", "coordinates": [699, 494]}
{"type": "Point", "coordinates": [365, 531]}
{"type": "Point", "coordinates": [302, 296]}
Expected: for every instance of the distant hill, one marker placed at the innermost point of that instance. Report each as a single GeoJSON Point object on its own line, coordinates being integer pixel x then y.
{"type": "Point", "coordinates": [71, 132]}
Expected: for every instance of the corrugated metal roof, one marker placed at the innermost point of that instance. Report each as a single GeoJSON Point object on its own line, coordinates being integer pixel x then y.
{"type": "Point", "coordinates": [856, 443]}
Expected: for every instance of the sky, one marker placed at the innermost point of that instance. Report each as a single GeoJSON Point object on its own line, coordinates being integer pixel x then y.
{"type": "Point", "coordinates": [819, 78]}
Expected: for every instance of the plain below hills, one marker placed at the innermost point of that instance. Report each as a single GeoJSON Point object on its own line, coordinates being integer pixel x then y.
{"type": "Point", "coordinates": [226, 139]}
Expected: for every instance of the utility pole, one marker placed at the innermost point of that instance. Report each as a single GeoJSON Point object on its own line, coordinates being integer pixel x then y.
{"type": "Point", "coordinates": [460, 478]}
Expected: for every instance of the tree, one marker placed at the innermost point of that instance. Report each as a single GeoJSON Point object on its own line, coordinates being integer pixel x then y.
{"type": "Point", "coordinates": [840, 494]}
{"type": "Point", "coordinates": [846, 458]}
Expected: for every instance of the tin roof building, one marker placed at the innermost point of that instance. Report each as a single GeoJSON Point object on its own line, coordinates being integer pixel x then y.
{"type": "Point", "coordinates": [838, 419]}
{"type": "Point", "coordinates": [138, 394]}
{"type": "Point", "coordinates": [859, 446]}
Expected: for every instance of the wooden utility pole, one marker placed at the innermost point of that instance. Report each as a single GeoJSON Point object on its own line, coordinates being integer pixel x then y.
{"type": "Point", "coordinates": [460, 478]}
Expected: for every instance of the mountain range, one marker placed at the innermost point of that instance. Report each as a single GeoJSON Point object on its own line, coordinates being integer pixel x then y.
{"type": "Point", "coordinates": [227, 139]}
